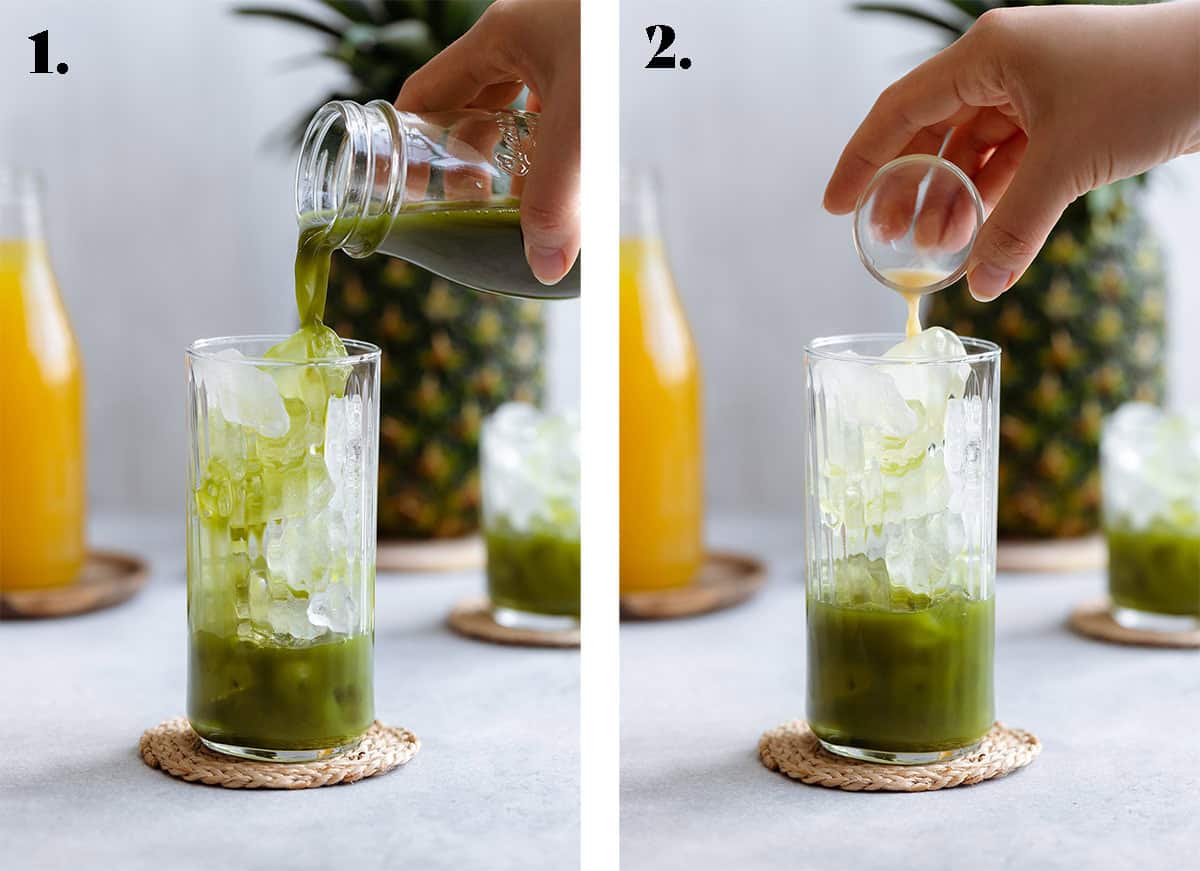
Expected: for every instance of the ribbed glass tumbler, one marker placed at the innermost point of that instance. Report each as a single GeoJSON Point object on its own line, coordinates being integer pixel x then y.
{"type": "Point", "coordinates": [901, 543]}
{"type": "Point", "coordinates": [281, 548]}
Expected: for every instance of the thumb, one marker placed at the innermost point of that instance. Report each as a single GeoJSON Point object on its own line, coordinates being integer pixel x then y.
{"type": "Point", "coordinates": [1027, 212]}
{"type": "Point", "coordinates": [550, 200]}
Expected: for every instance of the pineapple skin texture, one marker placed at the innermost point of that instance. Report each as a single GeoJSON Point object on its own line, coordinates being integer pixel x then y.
{"type": "Point", "coordinates": [1083, 331]}
{"type": "Point", "coordinates": [451, 355]}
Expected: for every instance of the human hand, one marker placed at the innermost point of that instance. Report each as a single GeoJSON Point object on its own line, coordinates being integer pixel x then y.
{"type": "Point", "coordinates": [1046, 103]}
{"type": "Point", "coordinates": [519, 43]}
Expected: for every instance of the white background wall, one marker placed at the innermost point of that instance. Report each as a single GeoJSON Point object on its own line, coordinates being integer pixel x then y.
{"type": "Point", "coordinates": [744, 142]}
{"type": "Point", "coordinates": [168, 217]}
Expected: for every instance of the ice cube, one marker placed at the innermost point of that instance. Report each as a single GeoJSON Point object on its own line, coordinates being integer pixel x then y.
{"type": "Point", "coordinates": [531, 468]}
{"type": "Point", "coordinates": [926, 381]}
{"type": "Point", "coordinates": [243, 393]}
{"type": "Point", "coordinates": [334, 608]}
{"type": "Point", "coordinates": [920, 552]}
{"type": "Point", "coordinates": [861, 394]}
{"type": "Point", "coordinates": [343, 461]}
{"type": "Point", "coordinates": [1151, 466]}
{"type": "Point", "coordinates": [289, 616]}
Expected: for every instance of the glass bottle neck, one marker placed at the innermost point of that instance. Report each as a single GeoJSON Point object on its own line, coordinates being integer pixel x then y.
{"type": "Point", "coordinates": [361, 164]}
{"type": "Point", "coordinates": [351, 172]}
{"type": "Point", "coordinates": [639, 205]}
{"type": "Point", "coordinates": [20, 205]}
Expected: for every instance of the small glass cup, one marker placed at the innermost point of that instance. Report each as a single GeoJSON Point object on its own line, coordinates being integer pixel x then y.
{"type": "Point", "coordinates": [282, 466]}
{"type": "Point", "coordinates": [901, 544]}
{"type": "Point", "coordinates": [530, 469]}
{"type": "Point", "coordinates": [1150, 475]}
{"type": "Point", "coordinates": [914, 226]}
{"type": "Point", "coordinates": [915, 223]}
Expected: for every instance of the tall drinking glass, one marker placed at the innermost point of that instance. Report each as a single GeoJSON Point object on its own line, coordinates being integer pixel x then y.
{"type": "Point", "coordinates": [530, 471]}
{"type": "Point", "coordinates": [901, 543]}
{"type": "Point", "coordinates": [1150, 474]}
{"type": "Point", "coordinates": [281, 548]}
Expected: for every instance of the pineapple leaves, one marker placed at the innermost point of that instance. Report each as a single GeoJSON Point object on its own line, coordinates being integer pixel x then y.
{"type": "Point", "coordinates": [973, 8]}
{"type": "Point", "coordinates": [290, 17]}
{"type": "Point", "coordinates": [378, 43]}
{"type": "Point", "coordinates": [955, 30]}
{"type": "Point", "coordinates": [354, 10]}
{"type": "Point", "coordinates": [412, 37]}
{"type": "Point", "coordinates": [399, 10]}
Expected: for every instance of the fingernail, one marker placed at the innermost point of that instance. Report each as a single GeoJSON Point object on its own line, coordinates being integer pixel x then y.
{"type": "Point", "coordinates": [548, 264]}
{"type": "Point", "coordinates": [987, 282]}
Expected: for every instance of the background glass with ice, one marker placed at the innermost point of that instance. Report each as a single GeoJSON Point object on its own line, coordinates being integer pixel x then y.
{"type": "Point", "coordinates": [530, 470]}
{"type": "Point", "coordinates": [1150, 478]}
{"type": "Point", "coordinates": [1151, 468]}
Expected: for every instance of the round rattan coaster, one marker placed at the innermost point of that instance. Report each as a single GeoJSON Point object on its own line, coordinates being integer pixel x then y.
{"type": "Point", "coordinates": [175, 748]}
{"type": "Point", "coordinates": [1095, 620]}
{"type": "Point", "coordinates": [725, 580]}
{"type": "Point", "coordinates": [473, 618]}
{"type": "Point", "coordinates": [793, 749]}
{"type": "Point", "coordinates": [106, 579]}
{"type": "Point", "coordinates": [434, 555]}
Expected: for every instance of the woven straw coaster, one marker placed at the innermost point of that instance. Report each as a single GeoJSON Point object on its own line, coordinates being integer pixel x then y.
{"type": "Point", "coordinates": [473, 618]}
{"type": "Point", "coordinates": [176, 749]}
{"type": "Point", "coordinates": [1095, 620]}
{"type": "Point", "coordinates": [793, 749]}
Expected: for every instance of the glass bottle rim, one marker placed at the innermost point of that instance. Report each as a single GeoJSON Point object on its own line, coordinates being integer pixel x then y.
{"type": "Point", "coordinates": [358, 352]}
{"type": "Point", "coordinates": [841, 348]}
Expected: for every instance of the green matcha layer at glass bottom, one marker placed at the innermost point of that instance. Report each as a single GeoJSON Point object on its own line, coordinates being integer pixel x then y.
{"type": "Point", "coordinates": [1157, 571]}
{"type": "Point", "coordinates": [535, 572]}
{"type": "Point", "coordinates": [280, 698]}
{"type": "Point", "coordinates": [912, 678]}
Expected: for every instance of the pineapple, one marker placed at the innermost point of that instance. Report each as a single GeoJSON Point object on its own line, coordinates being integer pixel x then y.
{"type": "Point", "coordinates": [1083, 331]}
{"type": "Point", "coordinates": [450, 355]}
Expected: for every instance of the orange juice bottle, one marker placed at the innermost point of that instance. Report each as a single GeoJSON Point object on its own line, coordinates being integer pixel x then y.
{"type": "Point", "coordinates": [662, 482]}
{"type": "Point", "coordinates": [42, 500]}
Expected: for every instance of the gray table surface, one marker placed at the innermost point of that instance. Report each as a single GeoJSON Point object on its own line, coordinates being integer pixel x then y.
{"type": "Point", "coordinates": [495, 785]}
{"type": "Point", "coordinates": [1117, 784]}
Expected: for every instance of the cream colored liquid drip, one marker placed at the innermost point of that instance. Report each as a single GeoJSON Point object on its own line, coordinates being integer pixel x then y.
{"type": "Point", "coordinates": [913, 283]}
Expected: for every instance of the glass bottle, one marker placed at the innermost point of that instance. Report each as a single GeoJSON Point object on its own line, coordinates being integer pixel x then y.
{"type": "Point", "coordinates": [662, 480]}
{"type": "Point", "coordinates": [42, 481]}
{"type": "Point", "coordinates": [441, 190]}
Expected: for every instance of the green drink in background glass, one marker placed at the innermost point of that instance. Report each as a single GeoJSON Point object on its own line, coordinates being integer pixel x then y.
{"type": "Point", "coordinates": [1150, 467]}
{"type": "Point", "coordinates": [530, 470]}
{"type": "Point", "coordinates": [901, 537]}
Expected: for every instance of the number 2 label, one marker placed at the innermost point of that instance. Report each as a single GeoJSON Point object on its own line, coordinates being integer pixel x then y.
{"type": "Point", "coordinates": [660, 61]}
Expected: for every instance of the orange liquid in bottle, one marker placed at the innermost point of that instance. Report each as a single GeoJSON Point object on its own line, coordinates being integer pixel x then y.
{"type": "Point", "coordinates": [662, 484]}
{"type": "Point", "coordinates": [42, 500]}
